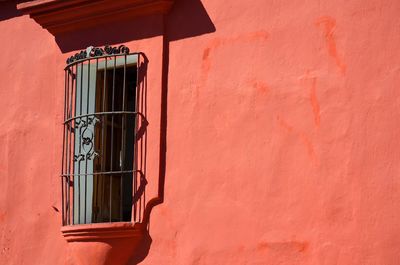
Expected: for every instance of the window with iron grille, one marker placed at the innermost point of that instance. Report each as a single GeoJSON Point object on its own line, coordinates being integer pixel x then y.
{"type": "Point", "coordinates": [100, 173]}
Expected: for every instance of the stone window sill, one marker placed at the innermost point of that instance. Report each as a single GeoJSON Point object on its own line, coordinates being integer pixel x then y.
{"type": "Point", "coordinates": [105, 243]}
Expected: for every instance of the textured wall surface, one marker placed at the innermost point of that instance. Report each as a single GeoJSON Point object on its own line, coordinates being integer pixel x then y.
{"type": "Point", "coordinates": [282, 134]}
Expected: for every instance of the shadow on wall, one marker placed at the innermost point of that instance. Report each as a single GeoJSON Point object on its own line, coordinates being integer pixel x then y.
{"type": "Point", "coordinates": [142, 251]}
{"type": "Point", "coordinates": [8, 9]}
{"type": "Point", "coordinates": [139, 195]}
{"type": "Point", "coordinates": [188, 18]}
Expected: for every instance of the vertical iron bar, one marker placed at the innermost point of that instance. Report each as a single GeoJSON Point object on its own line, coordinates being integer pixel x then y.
{"type": "Point", "coordinates": [69, 107]}
{"type": "Point", "coordinates": [63, 154]}
{"type": "Point", "coordinates": [94, 145]}
{"type": "Point", "coordinates": [112, 135]}
{"type": "Point", "coordinates": [142, 144]}
{"type": "Point", "coordinates": [135, 146]}
{"type": "Point", "coordinates": [87, 124]}
{"type": "Point", "coordinates": [80, 144]}
{"type": "Point", "coordinates": [144, 110]}
{"type": "Point", "coordinates": [68, 139]}
{"type": "Point", "coordinates": [74, 78]}
{"type": "Point", "coordinates": [122, 154]}
{"type": "Point", "coordinates": [103, 131]}
{"type": "Point", "coordinates": [139, 122]}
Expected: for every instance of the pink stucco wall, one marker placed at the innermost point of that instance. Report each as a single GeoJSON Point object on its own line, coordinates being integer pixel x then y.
{"type": "Point", "coordinates": [282, 135]}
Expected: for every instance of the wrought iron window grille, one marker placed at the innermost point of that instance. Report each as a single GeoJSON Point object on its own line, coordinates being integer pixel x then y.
{"type": "Point", "coordinates": [103, 161]}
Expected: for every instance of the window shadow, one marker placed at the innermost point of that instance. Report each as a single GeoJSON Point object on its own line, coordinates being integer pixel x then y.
{"type": "Point", "coordinates": [140, 182]}
{"type": "Point", "coordinates": [142, 251]}
{"type": "Point", "coordinates": [8, 9]}
{"type": "Point", "coordinates": [188, 18]}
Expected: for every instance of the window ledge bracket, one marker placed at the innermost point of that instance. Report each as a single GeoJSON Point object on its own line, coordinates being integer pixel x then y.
{"type": "Point", "coordinates": [58, 16]}
{"type": "Point", "coordinates": [105, 243]}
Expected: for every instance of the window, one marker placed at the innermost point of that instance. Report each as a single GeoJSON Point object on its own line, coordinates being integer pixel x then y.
{"type": "Point", "coordinates": [100, 175]}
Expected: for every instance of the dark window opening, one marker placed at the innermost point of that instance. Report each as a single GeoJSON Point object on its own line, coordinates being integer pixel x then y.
{"type": "Point", "coordinates": [117, 146]}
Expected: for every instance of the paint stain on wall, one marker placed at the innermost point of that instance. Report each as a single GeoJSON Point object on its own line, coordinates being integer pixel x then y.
{"type": "Point", "coordinates": [302, 137]}
{"type": "Point", "coordinates": [286, 246]}
{"type": "Point", "coordinates": [259, 86]}
{"type": "Point", "coordinates": [285, 125]}
{"type": "Point", "coordinates": [314, 102]}
{"type": "Point", "coordinates": [262, 246]}
{"type": "Point", "coordinates": [310, 83]}
{"type": "Point", "coordinates": [3, 154]}
{"type": "Point", "coordinates": [328, 25]}
{"type": "Point", "coordinates": [310, 148]}
{"type": "Point", "coordinates": [220, 42]}
{"type": "Point", "coordinates": [2, 216]}
{"type": "Point", "coordinates": [206, 61]}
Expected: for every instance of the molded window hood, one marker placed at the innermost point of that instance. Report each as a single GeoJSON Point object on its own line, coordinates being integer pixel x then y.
{"type": "Point", "coordinates": [59, 16]}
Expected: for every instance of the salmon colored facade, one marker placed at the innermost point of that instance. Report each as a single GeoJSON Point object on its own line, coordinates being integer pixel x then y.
{"type": "Point", "coordinates": [273, 134]}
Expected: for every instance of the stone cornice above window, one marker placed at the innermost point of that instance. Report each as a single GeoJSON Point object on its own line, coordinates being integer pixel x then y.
{"type": "Point", "coordinates": [59, 16]}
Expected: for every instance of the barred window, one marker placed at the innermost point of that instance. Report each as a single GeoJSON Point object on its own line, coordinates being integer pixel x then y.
{"type": "Point", "coordinates": [100, 177]}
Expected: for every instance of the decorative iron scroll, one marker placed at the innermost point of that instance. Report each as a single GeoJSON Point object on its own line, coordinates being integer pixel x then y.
{"type": "Point", "coordinates": [91, 52]}
{"type": "Point", "coordinates": [87, 136]}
